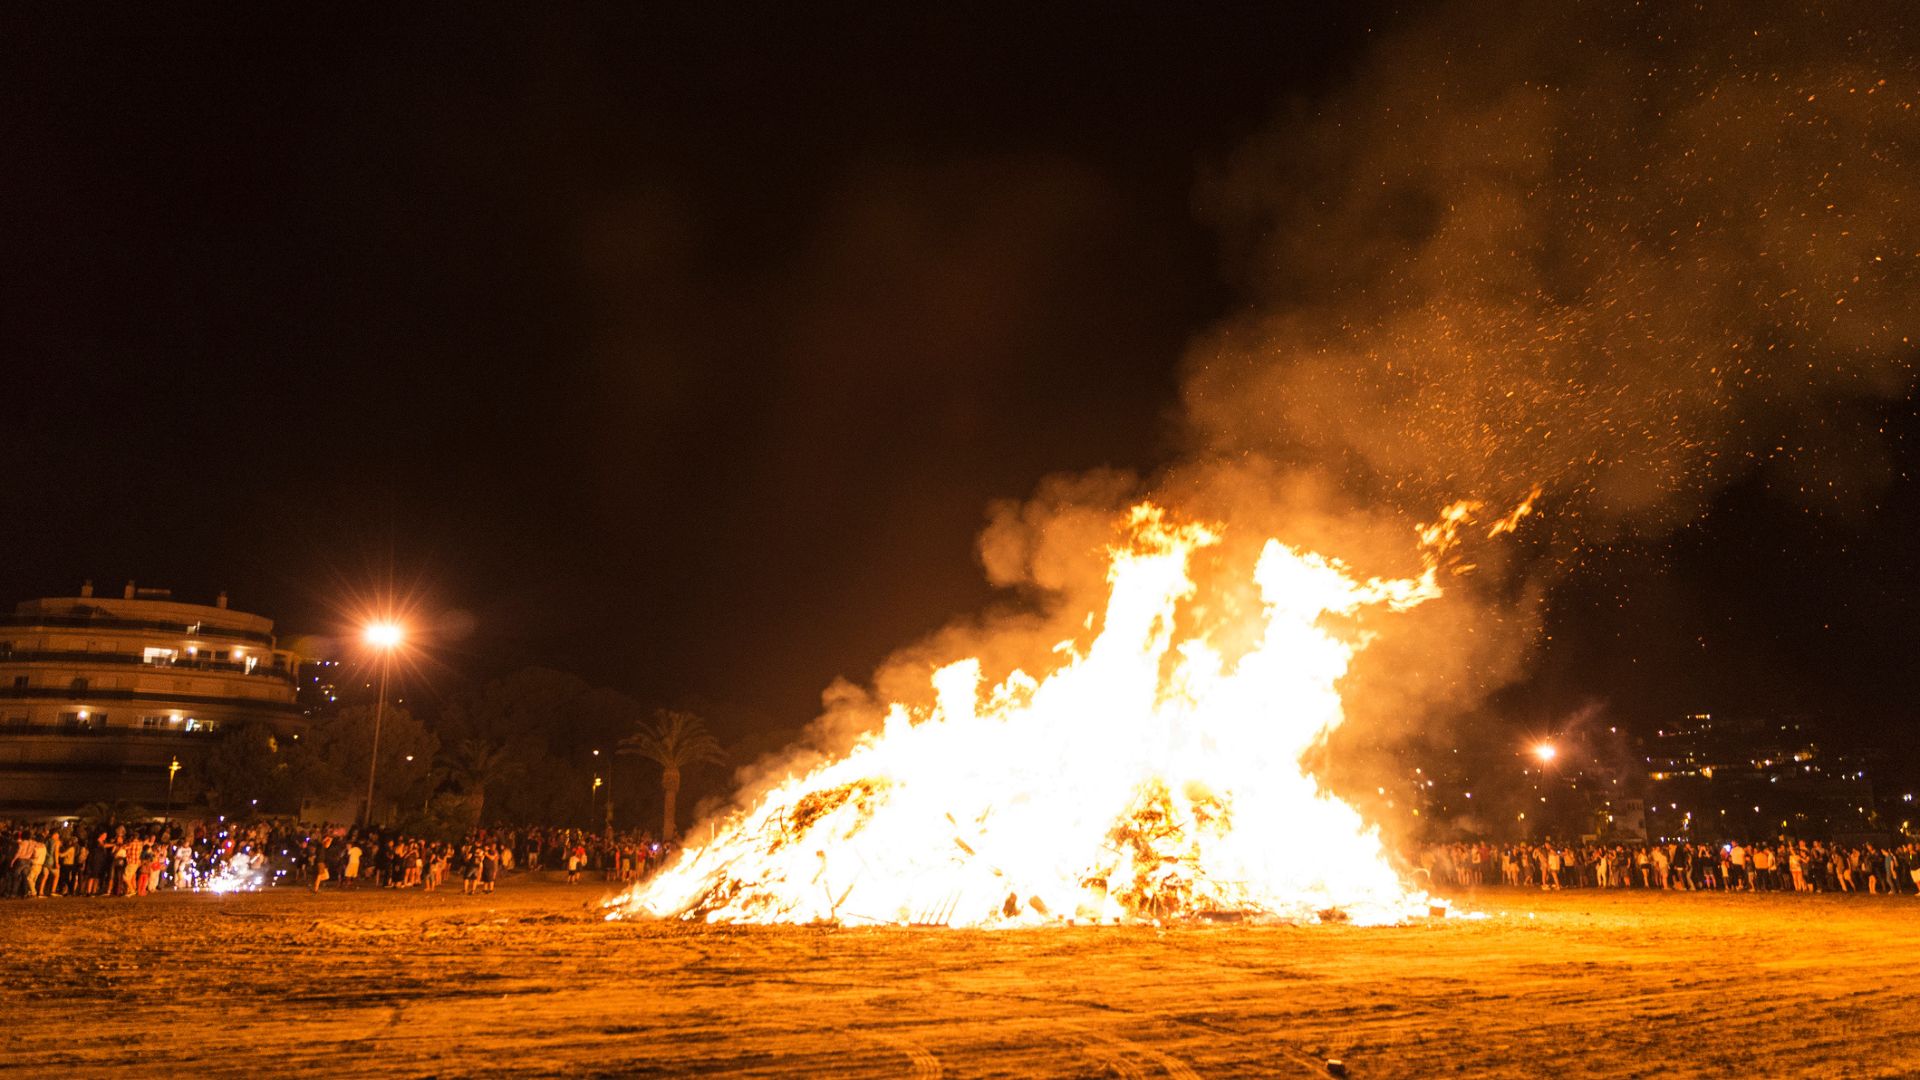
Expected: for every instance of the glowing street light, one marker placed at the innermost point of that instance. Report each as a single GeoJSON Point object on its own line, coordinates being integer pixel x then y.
{"type": "Point", "coordinates": [1545, 752]}
{"type": "Point", "coordinates": [597, 785]}
{"type": "Point", "coordinates": [173, 769]}
{"type": "Point", "coordinates": [383, 637]}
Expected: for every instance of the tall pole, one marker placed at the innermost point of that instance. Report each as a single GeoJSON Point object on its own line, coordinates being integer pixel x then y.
{"type": "Point", "coordinates": [608, 801]}
{"type": "Point", "coordinates": [379, 710]}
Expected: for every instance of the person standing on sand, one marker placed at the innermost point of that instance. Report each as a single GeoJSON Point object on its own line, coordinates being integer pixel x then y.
{"type": "Point", "coordinates": [99, 861]}
{"type": "Point", "coordinates": [321, 856]}
{"type": "Point", "coordinates": [150, 868]}
{"type": "Point", "coordinates": [119, 870]}
{"type": "Point", "coordinates": [72, 858]}
{"type": "Point", "coordinates": [36, 866]}
{"type": "Point", "coordinates": [127, 866]}
{"type": "Point", "coordinates": [50, 873]}
{"type": "Point", "coordinates": [352, 872]}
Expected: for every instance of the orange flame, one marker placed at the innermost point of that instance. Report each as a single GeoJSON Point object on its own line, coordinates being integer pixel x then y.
{"type": "Point", "coordinates": [1152, 776]}
{"type": "Point", "coordinates": [1512, 521]}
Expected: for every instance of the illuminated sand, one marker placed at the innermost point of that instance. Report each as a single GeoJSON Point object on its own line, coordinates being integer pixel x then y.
{"type": "Point", "coordinates": [529, 982]}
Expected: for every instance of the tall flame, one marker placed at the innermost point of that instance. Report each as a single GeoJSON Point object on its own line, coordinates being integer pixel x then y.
{"type": "Point", "coordinates": [1154, 775]}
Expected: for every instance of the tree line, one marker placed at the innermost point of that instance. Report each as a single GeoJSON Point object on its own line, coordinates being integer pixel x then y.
{"type": "Point", "coordinates": [537, 745]}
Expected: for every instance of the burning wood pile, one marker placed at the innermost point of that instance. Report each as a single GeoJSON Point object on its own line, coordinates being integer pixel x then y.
{"type": "Point", "coordinates": [1154, 775]}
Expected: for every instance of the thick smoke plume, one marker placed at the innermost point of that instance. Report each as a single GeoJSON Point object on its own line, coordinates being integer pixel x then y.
{"type": "Point", "coordinates": [1615, 255]}
{"type": "Point", "coordinates": [1617, 252]}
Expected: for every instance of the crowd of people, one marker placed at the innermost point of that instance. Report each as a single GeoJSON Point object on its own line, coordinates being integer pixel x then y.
{"type": "Point", "coordinates": [120, 860]}
{"type": "Point", "coordinates": [1761, 866]}
{"type": "Point", "coordinates": [131, 860]}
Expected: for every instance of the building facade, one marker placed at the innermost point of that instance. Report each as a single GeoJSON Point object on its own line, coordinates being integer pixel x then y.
{"type": "Point", "coordinates": [100, 696]}
{"type": "Point", "coordinates": [1739, 777]}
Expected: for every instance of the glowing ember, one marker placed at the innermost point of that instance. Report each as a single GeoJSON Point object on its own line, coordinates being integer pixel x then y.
{"type": "Point", "coordinates": [1155, 775]}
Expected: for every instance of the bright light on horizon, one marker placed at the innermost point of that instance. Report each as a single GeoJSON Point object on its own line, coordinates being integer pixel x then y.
{"type": "Point", "coordinates": [384, 635]}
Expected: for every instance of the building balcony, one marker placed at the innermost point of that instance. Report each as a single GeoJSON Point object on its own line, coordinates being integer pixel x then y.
{"type": "Point", "coordinates": [103, 622]}
{"type": "Point", "coordinates": [156, 697]}
{"type": "Point", "coordinates": [95, 731]}
{"type": "Point", "coordinates": [189, 663]}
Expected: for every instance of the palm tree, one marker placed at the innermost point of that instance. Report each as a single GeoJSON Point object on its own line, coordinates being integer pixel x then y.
{"type": "Point", "coordinates": [476, 763]}
{"type": "Point", "coordinates": [672, 740]}
{"type": "Point", "coordinates": [104, 815]}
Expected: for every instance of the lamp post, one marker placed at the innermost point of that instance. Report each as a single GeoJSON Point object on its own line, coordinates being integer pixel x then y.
{"type": "Point", "coordinates": [608, 784]}
{"type": "Point", "coordinates": [1545, 753]}
{"type": "Point", "coordinates": [173, 768]}
{"type": "Point", "coordinates": [593, 800]}
{"type": "Point", "coordinates": [384, 637]}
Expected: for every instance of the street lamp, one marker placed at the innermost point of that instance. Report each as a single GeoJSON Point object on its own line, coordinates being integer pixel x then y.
{"type": "Point", "coordinates": [597, 783]}
{"type": "Point", "coordinates": [383, 637]}
{"type": "Point", "coordinates": [1546, 753]}
{"type": "Point", "coordinates": [593, 800]}
{"type": "Point", "coordinates": [173, 769]}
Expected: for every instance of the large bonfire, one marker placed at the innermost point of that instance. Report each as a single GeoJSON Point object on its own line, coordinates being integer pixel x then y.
{"type": "Point", "coordinates": [1156, 774]}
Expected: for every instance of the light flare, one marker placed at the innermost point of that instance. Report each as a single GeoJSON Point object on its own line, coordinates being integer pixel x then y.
{"type": "Point", "coordinates": [1155, 775]}
{"type": "Point", "coordinates": [241, 872]}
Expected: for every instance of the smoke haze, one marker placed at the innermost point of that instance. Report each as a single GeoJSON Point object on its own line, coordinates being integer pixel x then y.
{"type": "Point", "coordinates": [1618, 252]}
{"type": "Point", "coordinates": [1618, 257]}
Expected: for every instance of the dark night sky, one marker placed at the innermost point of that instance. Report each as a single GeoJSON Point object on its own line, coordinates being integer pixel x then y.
{"type": "Point", "coordinates": [685, 349]}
